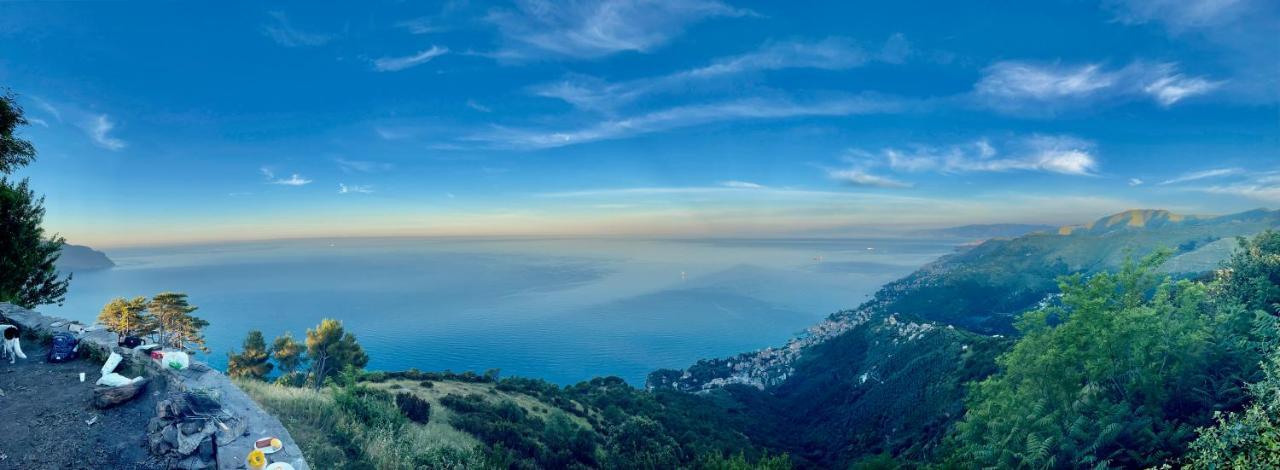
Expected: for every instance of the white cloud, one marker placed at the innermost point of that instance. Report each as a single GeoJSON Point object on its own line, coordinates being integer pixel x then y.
{"type": "Point", "coordinates": [1261, 186]}
{"type": "Point", "coordinates": [858, 177]}
{"type": "Point", "coordinates": [1135, 182]}
{"type": "Point", "coordinates": [1238, 34]}
{"type": "Point", "coordinates": [688, 116]}
{"type": "Point", "coordinates": [591, 29]}
{"type": "Point", "coordinates": [38, 121]}
{"type": "Point", "coordinates": [281, 30]}
{"type": "Point", "coordinates": [1054, 154]}
{"type": "Point", "coordinates": [361, 166]}
{"type": "Point", "coordinates": [47, 107]}
{"type": "Point", "coordinates": [99, 129]}
{"type": "Point", "coordinates": [591, 93]}
{"type": "Point", "coordinates": [393, 64]}
{"type": "Point", "coordinates": [478, 107]}
{"type": "Point", "coordinates": [1199, 175]}
{"type": "Point", "coordinates": [741, 184]}
{"type": "Point", "coordinates": [354, 189]}
{"type": "Point", "coordinates": [292, 180]}
{"type": "Point", "coordinates": [1172, 89]}
{"type": "Point", "coordinates": [1018, 86]}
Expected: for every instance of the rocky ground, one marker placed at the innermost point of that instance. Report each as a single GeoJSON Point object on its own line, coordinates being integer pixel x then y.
{"type": "Point", "coordinates": [45, 416]}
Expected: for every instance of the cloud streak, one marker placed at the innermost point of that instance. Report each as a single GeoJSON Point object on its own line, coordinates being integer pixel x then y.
{"type": "Point", "coordinates": [859, 177]}
{"type": "Point", "coordinates": [1031, 87]}
{"type": "Point", "coordinates": [834, 53]}
{"type": "Point", "coordinates": [293, 179]}
{"type": "Point", "coordinates": [99, 129]}
{"type": "Point", "coordinates": [395, 64]}
{"type": "Point", "coordinates": [282, 31]}
{"type": "Point", "coordinates": [587, 30]}
{"type": "Point", "coordinates": [354, 189]}
{"type": "Point", "coordinates": [1043, 153]}
{"type": "Point", "coordinates": [1199, 175]}
{"type": "Point", "coordinates": [688, 116]}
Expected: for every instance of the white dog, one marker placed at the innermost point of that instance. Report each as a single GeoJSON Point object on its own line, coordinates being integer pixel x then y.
{"type": "Point", "coordinates": [12, 345]}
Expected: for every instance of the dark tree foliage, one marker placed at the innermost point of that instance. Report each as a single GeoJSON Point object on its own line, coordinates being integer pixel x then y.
{"type": "Point", "coordinates": [414, 407]}
{"type": "Point", "coordinates": [253, 361]}
{"type": "Point", "coordinates": [1125, 369]}
{"type": "Point", "coordinates": [28, 275]}
{"type": "Point", "coordinates": [14, 151]}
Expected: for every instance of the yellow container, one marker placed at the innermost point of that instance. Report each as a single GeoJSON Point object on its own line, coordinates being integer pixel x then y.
{"type": "Point", "coordinates": [257, 460]}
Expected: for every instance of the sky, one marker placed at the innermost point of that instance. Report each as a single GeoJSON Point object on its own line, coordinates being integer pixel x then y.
{"type": "Point", "coordinates": [181, 122]}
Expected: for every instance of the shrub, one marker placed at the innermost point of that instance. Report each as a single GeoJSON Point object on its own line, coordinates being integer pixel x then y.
{"type": "Point", "coordinates": [414, 408]}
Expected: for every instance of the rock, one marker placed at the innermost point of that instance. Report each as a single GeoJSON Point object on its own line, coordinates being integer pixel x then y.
{"type": "Point", "coordinates": [107, 397]}
{"type": "Point", "coordinates": [187, 444]}
{"type": "Point", "coordinates": [190, 427]}
{"type": "Point", "coordinates": [206, 451]}
{"type": "Point", "coordinates": [170, 435]}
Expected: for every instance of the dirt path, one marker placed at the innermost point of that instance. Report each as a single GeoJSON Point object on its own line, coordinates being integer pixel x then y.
{"type": "Point", "coordinates": [43, 411]}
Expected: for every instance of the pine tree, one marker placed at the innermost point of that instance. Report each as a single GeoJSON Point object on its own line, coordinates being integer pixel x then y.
{"type": "Point", "coordinates": [287, 353]}
{"type": "Point", "coordinates": [331, 349]}
{"type": "Point", "coordinates": [173, 323]}
{"type": "Point", "coordinates": [28, 276]}
{"type": "Point", "coordinates": [252, 362]}
{"type": "Point", "coordinates": [14, 152]}
{"type": "Point", "coordinates": [125, 316]}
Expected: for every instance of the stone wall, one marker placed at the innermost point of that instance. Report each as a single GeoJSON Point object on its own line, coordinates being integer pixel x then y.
{"type": "Point", "coordinates": [235, 442]}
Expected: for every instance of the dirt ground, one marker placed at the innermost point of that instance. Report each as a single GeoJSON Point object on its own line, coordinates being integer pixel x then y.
{"type": "Point", "coordinates": [43, 413]}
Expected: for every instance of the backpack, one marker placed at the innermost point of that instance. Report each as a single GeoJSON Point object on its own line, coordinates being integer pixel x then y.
{"type": "Point", "coordinates": [64, 347]}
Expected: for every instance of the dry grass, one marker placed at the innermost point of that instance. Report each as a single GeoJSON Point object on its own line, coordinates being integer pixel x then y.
{"type": "Point", "coordinates": [319, 426]}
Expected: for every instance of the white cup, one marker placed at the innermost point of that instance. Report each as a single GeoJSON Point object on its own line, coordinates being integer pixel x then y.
{"type": "Point", "coordinates": [82, 376]}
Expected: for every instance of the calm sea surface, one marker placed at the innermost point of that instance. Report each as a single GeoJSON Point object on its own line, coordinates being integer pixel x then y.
{"type": "Point", "coordinates": [564, 310]}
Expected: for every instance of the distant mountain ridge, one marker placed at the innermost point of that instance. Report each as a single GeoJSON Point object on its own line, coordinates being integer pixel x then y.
{"type": "Point", "coordinates": [82, 258]}
{"type": "Point", "coordinates": [984, 231]}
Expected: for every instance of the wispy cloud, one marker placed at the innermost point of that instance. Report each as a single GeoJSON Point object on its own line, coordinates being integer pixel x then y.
{"type": "Point", "coordinates": [1135, 182]}
{"type": "Point", "coordinates": [354, 189]}
{"type": "Point", "coordinates": [478, 107]}
{"type": "Point", "coordinates": [99, 129]}
{"type": "Point", "coordinates": [1240, 33]}
{"type": "Point", "coordinates": [293, 179]}
{"type": "Point", "coordinates": [1018, 86]}
{"type": "Point", "coordinates": [47, 107]}
{"type": "Point", "coordinates": [584, 30]}
{"type": "Point", "coordinates": [282, 31]}
{"type": "Point", "coordinates": [829, 54]}
{"type": "Point", "coordinates": [420, 25]}
{"type": "Point", "coordinates": [1260, 186]}
{"type": "Point", "coordinates": [1203, 174]}
{"type": "Point", "coordinates": [687, 116]}
{"type": "Point", "coordinates": [1043, 153]}
{"type": "Point", "coordinates": [860, 177]}
{"type": "Point", "coordinates": [38, 121]}
{"type": "Point", "coordinates": [741, 184]}
{"type": "Point", "coordinates": [393, 64]}
{"type": "Point", "coordinates": [361, 166]}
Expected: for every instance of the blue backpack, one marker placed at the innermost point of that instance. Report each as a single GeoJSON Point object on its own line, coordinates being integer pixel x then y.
{"type": "Point", "coordinates": [64, 347]}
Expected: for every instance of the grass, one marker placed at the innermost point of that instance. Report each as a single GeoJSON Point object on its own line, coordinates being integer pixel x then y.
{"type": "Point", "coordinates": [346, 438]}
{"type": "Point", "coordinates": [441, 414]}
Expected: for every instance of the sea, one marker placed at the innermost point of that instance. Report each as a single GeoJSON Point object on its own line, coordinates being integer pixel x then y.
{"type": "Point", "coordinates": [564, 310]}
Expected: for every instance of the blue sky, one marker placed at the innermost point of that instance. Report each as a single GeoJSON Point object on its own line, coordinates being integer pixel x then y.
{"type": "Point", "coordinates": [175, 122]}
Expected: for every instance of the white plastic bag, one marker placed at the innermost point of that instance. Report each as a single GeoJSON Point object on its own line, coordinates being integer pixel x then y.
{"type": "Point", "coordinates": [175, 360]}
{"type": "Point", "coordinates": [115, 380]}
{"type": "Point", "coordinates": [112, 362]}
